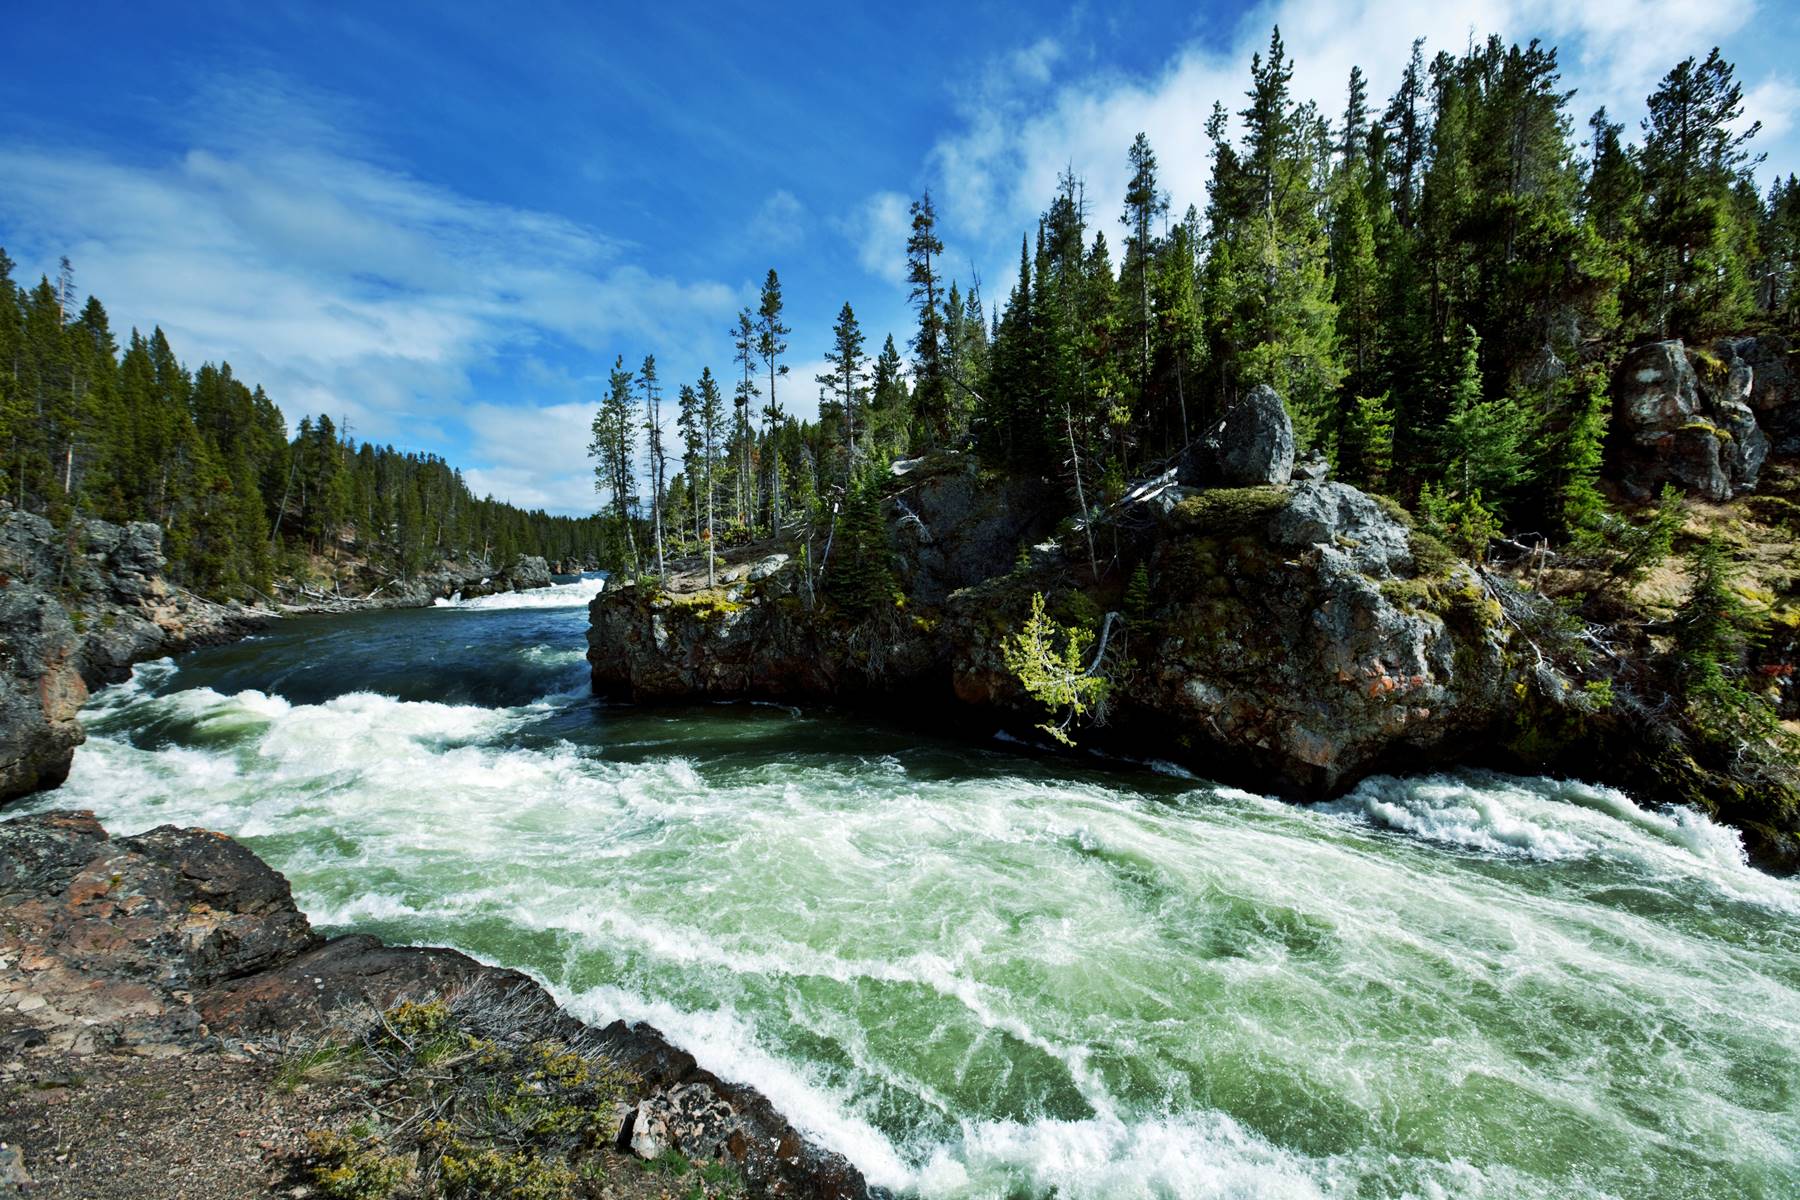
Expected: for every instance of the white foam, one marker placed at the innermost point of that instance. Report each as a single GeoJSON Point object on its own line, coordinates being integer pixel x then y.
{"type": "Point", "coordinates": [557, 595]}
{"type": "Point", "coordinates": [1203, 1155]}
{"type": "Point", "coordinates": [725, 1043]}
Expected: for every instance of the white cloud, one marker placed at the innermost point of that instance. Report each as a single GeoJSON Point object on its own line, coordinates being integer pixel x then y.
{"type": "Point", "coordinates": [340, 284]}
{"type": "Point", "coordinates": [534, 455]}
{"type": "Point", "coordinates": [878, 230]}
{"type": "Point", "coordinates": [1775, 102]}
{"type": "Point", "coordinates": [999, 170]}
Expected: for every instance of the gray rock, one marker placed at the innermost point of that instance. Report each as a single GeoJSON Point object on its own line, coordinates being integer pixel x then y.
{"type": "Point", "coordinates": [1291, 638]}
{"type": "Point", "coordinates": [1339, 516]}
{"type": "Point", "coordinates": [1670, 427]}
{"type": "Point", "coordinates": [954, 525]}
{"type": "Point", "coordinates": [1759, 375]}
{"type": "Point", "coordinates": [1252, 446]}
{"type": "Point", "coordinates": [527, 571]}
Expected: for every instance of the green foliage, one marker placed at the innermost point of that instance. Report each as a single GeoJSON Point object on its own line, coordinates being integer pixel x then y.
{"type": "Point", "coordinates": [1366, 446]}
{"type": "Point", "coordinates": [1137, 601]}
{"type": "Point", "coordinates": [1049, 660]}
{"type": "Point", "coordinates": [860, 577]}
{"type": "Point", "coordinates": [481, 1102]}
{"type": "Point", "coordinates": [1639, 547]}
{"type": "Point", "coordinates": [86, 430]}
{"type": "Point", "coordinates": [350, 1168]}
{"type": "Point", "coordinates": [1713, 628]}
{"type": "Point", "coordinates": [490, 1174]}
{"type": "Point", "coordinates": [1466, 524]}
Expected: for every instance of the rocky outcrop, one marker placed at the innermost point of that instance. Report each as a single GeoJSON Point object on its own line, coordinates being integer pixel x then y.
{"type": "Point", "coordinates": [526, 572]}
{"type": "Point", "coordinates": [1758, 371]}
{"type": "Point", "coordinates": [1295, 635]}
{"type": "Point", "coordinates": [179, 942]}
{"type": "Point", "coordinates": [78, 607]}
{"type": "Point", "coordinates": [1252, 446]}
{"type": "Point", "coordinates": [1671, 425]}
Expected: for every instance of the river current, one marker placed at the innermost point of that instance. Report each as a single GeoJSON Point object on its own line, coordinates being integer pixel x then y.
{"type": "Point", "coordinates": [978, 972]}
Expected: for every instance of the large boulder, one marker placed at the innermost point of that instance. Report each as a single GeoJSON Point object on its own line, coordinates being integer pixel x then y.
{"type": "Point", "coordinates": [1671, 426]}
{"type": "Point", "coordinates": [954, 524]}
{"type": "Point", "coordinates": [527, 571]}
{"type": "Point", "coordinates": [41, 690]}
{"type": "Point", "coordinates": [1294, 638]}
{"type": "Point", "coordinates": [1252, 445]}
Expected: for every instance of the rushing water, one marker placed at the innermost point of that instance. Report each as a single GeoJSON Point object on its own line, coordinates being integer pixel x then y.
{"type": "Point", "coordinates": [979, 973]}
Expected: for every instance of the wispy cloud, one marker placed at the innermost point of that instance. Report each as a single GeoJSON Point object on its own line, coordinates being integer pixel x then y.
{"type": "Point", "coordinates": [878, 230]}
{"type": "Point", "coordinates": [780, 221]}
{"type": "Point", "coordinates": [340, 283]}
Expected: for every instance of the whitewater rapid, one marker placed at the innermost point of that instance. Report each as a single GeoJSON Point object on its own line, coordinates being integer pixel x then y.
{"type": "Point", "coordinates": [979, 974]}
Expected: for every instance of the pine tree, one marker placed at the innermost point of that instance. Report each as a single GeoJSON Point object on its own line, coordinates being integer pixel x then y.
{"type": "Point", "coordinates": [771, 344]}
{"type": "Point", "coordinates": [1693, 158]}
{"type": "Point", "coordinates": [693, 445]}
{"type": "Point", "coordinates": [653, 444]}
{"type": "Point", "coordinates": [1286, 314]}
{"type": "Point", "coordinates": [712, 422]}
{"type": "Point", "coordinates": [614, 450]}
{"type": "Point", "coordinates": [1482, 440]}
{"type": "Point", "coordinates": [861, 577]}
{"type": "Point", "coordinates": [743, 396]}
{"type": "Point", "coordinates": [846, 376]}
{"type": "Point", "coordinates": [1144, 203]}
{"type": "Point", "coordinates": [1406, 125]}
{"type": "Point", "coordinates": [931, 395]}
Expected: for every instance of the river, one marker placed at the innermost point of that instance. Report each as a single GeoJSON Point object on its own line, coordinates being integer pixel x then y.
{"type": "Point", "coordinates": [979, 972]}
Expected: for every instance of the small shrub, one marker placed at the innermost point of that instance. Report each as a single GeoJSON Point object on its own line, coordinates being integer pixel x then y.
{"type": "Point", "coordinates": [350, 1168]}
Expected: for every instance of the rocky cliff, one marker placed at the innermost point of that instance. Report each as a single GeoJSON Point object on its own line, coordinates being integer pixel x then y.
{"type": "Point", "coordinates": [1301, 636]}
{"type": "Point", "coordinates": [180, 945]}
{"type": "Point", "coordinates": [78, 607]}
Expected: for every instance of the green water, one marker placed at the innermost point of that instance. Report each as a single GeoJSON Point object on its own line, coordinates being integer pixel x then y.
{"type": "Point", "coordinates": [979, 973]}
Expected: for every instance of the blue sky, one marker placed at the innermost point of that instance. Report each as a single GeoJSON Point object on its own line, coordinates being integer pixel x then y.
{"type": "Point", "coordinates": [443, 221]}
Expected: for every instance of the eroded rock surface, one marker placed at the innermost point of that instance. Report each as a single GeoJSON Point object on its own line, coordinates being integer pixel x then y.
{"type": "Point", "coordinates": [1294, 637]}
{"type": "Point", "coordinates": [78, 607]}
{"type": "Point", "coordinates": [181, 942]}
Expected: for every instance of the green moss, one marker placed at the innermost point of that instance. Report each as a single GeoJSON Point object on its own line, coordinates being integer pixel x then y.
{"type": "Point", "coordinates": [1395, 510]}
{"type": "Point", "coordinates": [490, 1174]}
{"type": "Point", "coordinates": [1431, 557]}
{"type": "Point", "coordinates": [713, 604]}
{"type": "Point", "coordinates": [1230, 512]}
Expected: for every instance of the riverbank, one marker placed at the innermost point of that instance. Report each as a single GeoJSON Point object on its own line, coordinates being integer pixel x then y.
{"type": "Point", "coordinates": [182, 948]}
{"type": "Point", "coordinates": [79, 607]}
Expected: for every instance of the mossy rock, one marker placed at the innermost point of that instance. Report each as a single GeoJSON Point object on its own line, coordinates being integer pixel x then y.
{"type": "Point", "coordinates": [1230, 512]}
{"type": "Point", "coordinates": [713, 604]}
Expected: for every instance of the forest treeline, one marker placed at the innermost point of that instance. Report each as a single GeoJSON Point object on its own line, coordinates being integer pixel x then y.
{"type": "Point", "coordinates": [1439, 287]}
{"type": "Point", "coordinates": [86, 431]}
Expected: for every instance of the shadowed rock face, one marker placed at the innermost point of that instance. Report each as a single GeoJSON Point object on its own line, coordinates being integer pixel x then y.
{"type": "Point", "coordinates": [1252, 446]}
{"type": "Point", "coordinates": [77, 608]}
{"type": "Point", "coordinates": [178, 941]}
{"type": "Point", "coordinates": [1672, 426]}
